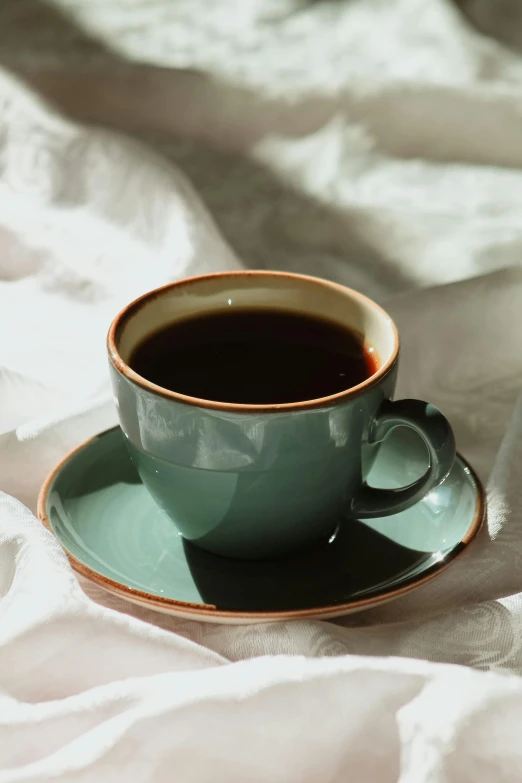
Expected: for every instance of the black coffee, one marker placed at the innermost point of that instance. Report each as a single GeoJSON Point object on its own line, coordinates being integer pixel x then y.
{"type": "Point", "coordinates": [257, 357]}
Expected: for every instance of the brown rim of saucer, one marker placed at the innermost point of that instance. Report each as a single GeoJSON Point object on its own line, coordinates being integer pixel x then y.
{"type": "Point", "coordinates": [333, 399]}
{"type": "Point", "coordinates": [212, 613]}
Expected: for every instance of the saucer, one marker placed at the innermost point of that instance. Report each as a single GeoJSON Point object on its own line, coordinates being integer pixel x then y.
{"type": "Point", "coordinates": [115, 535]}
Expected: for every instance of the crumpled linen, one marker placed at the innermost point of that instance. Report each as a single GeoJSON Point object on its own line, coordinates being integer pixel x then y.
{"type": "Point", "coordinates": [374, 144]}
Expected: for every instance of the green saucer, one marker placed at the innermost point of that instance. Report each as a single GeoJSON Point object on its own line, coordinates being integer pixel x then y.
{"type": "Point", "coordinates": [115, 535]}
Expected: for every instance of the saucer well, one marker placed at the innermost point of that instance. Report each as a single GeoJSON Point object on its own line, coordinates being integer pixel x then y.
{"type": "Point", "coordinates": [115, 535]}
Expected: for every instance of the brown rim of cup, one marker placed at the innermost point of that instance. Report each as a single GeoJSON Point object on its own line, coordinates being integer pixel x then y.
{"type": "Point", "coordinates": [334, 399]}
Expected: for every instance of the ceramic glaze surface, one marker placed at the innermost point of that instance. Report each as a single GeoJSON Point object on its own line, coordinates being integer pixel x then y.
{"type": "Point", "coordinates": [249, 483]}
{"type": "Point", "coordinates": [256, 481]}
{"type": "Point", "coordinates": [107, 521]}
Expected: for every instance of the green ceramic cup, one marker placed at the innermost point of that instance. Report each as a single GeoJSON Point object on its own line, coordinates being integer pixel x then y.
{"type": "Point", "coordinates": [254, 481]}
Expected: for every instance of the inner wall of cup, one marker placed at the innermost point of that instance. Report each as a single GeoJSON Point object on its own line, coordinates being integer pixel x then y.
{"type": "Point", "coordinates": [191, 298]}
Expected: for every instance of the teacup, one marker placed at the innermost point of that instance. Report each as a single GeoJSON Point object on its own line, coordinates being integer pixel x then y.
{"type": "Point", "coordinates": [252, 481]}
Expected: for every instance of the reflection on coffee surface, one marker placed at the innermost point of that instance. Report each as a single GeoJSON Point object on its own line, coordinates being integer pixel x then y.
{"type": "Point", "coordinates": [255, 356]}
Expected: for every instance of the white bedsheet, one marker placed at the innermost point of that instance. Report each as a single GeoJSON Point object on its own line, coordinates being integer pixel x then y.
{"type": "Point", "coordinates": [375, 143]}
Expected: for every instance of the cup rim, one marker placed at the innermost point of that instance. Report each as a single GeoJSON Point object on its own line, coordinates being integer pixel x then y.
{"type": "Point", "coordinates": [321, 402]}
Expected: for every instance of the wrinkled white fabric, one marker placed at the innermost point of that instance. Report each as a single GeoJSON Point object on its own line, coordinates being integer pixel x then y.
{"type": "Point", "coordinates": [375, 143]}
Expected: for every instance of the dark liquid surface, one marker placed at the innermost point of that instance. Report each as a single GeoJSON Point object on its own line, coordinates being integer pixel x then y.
{"type": "Point", "coordinates": [257, 357]}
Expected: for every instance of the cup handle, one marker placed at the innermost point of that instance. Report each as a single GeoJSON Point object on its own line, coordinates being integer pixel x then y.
{"type": "Point", "coordinates": [436, 432]}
